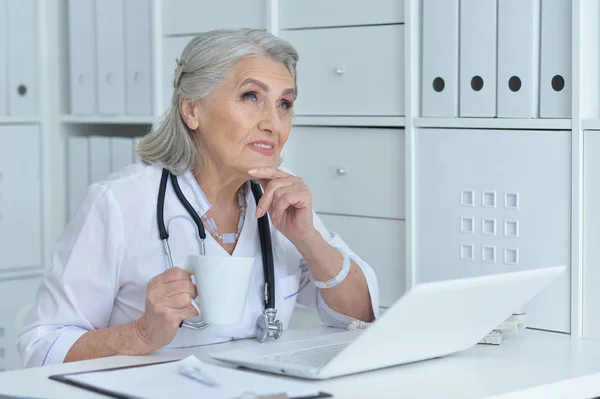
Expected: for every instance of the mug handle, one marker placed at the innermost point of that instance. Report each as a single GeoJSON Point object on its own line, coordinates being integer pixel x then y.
{"type": "Point", "coordinates": [194, 325]}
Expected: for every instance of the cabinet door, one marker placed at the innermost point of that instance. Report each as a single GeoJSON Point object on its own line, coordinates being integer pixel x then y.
{"type": "Point", "coordinates": [380, 243]}
{"type": "Point", "coordinates": [14, 296]}
{"type": "Point", "coordinates": [20, 197]}
{"type": "Point", "coordinates": [493, 201]}
{"type": "Point", "coordinates": [591, 235]}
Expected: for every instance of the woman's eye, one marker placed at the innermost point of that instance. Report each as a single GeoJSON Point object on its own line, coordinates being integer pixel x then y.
{"type": "Point", "coordinates": [250, 96]}
{"type": "Point", "coordinates": [286, 105]}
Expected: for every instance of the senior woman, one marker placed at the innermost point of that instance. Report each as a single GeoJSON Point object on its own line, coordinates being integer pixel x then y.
{"type": "Point", "coordinates": [110, 290]}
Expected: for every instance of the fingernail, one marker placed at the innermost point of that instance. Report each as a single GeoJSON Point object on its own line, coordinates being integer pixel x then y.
{"type": "Point", "coordinates": [259, 212]}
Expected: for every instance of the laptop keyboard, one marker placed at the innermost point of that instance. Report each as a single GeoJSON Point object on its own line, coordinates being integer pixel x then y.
{"type": "Point", "coordinates": [314, 357]}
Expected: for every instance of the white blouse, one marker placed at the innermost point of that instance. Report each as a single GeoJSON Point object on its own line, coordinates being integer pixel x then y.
{"type": "Point", "coordinates": [105, 257]}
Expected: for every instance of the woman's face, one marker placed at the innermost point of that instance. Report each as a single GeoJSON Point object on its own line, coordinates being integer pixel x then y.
{"type": "Point", "coordinates": [246, 120]}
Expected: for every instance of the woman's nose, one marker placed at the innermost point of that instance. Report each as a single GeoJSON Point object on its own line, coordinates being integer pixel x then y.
{"type": "Point", "coordinates": [269, 121]}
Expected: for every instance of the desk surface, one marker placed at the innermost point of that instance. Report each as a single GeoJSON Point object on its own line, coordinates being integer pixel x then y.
{"type": "Point", "coordinates": [530, 365]}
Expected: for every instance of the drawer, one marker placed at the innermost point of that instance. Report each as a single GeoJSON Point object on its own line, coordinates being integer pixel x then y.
{"type": "Point", "coordinates": [350, 171]}
{"type": "Point", "coordinates": [350, 71]}
{"type": "Point", "coordinates": [319, 13]}
{"type": "Point", "coordinates": [380, 243]}
{"type": "Point", "coordinates": [184, 17]}
{"type": "Point", "coordinates": [15, 295]}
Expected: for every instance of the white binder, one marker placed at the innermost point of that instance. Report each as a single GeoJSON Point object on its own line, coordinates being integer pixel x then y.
{"type": "Point", "coordinates": [440, 58]}
{"type": "Point", "coordinates": [110, 41]}
{"type": "Point", "coordinates": [138, 59]}
{"type": "Point", "coordinates": [99, 158]}
{"type": "Point", "coordinates": [555, 68]}
{"type": "Point", "coordinates": [3, 58]}
{"type": "Point", "coordinates": [518, 58]}
{"type": "Point", "coordinates": [121, 153]}
{"type": "Point", "coordinates": [477, 58]}
{"type": "Point", "coordinates": [78, 171]}
{"type": "Point", "coordinates": [22, 60]}
{"type": "Point", "coordinates": [82, 57]}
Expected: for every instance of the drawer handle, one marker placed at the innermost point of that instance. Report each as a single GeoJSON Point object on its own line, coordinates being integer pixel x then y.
{"type": "Point", "coordinates": [342, 171]}
{"type": "Point", "coordinates": [340, 71]}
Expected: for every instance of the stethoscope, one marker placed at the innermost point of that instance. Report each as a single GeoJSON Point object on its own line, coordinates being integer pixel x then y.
{"type": "Point", "coordinates": [266, 324]}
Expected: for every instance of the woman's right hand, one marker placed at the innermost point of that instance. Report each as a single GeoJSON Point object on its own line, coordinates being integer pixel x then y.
{"type": "Point", "coordinates": [168, 301]}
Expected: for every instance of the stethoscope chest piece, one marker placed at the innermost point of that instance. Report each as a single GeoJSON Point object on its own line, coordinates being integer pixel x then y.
{"type": "Point", "coordinates": [267, 326]}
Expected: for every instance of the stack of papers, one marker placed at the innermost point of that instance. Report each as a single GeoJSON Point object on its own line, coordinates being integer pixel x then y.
{"type": "Point", "coordinates": [163, 381]}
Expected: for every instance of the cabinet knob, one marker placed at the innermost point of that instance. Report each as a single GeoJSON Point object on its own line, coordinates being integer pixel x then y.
{"type": "Point", "coordinates": [81, 79]}
{"type": "Point", "coordinates": [342, 171]}
{"type": "Point", "coordinates": [110, 78]}
{"type": "Point", "coordinates": [137, 77]}
{"type": "Point", "coordinates": [340, 71]}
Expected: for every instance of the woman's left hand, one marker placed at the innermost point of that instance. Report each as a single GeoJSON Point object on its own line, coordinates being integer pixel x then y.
{"type": "Point", "coordinates": [288, 201]}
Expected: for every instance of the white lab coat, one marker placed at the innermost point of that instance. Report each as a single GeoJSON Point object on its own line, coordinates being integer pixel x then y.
{"type": "Point", "coordinates": [106, 255]}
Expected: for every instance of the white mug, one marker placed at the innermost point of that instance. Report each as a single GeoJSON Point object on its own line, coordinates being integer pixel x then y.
{"type": "Point", "coordinates": [222, 284]}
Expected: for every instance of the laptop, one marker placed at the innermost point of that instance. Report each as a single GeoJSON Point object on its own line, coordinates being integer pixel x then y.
{"type": "Point", "coordinates": [431, 320]}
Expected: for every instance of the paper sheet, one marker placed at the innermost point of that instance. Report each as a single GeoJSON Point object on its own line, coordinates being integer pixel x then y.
{"type": "Point", "coordinates": [163, 381]}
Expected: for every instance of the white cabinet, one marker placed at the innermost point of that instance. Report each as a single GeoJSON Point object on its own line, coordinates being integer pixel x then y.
{"type": "Point", "coordinates": [20, 197]}
{"type": "Point", "coordinates": [591, 235]}
{"type": "Point", "coordinates": [14, 296]}
{"type": "Point", "coordinates": [493, 201]}
{"type": "Point", "coordinates": [380, 243]}
{"type": "Point", "coordinates": [296, 14]}
{"type": "Point", "coordinates": [350, 171]}
{"type": "Point", "coordinates": [350, 71]}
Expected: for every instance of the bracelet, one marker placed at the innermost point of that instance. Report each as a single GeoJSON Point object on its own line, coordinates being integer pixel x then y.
{"type": "Point", "coordinates": [337, 279]}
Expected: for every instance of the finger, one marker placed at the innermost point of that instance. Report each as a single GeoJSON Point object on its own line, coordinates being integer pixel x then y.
{"type": "Point", "coordinates": [173, 274]}
{"type": "Point", "coordinates": [180, 287]}
{"type": "Point", "coordinates": [188, 312]}
{"type": "Point", "coordinates": [272, 187]}
{"type": "Point", "coordinates": [179, 301]}
{"type": "Point", "coordinates": [268, 172]}
{"type": "Point", "coordinates": [296, 199]}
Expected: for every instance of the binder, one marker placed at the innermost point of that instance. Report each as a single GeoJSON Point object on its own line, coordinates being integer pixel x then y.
{"type": "Point", "coordinates": [22, 60]}
{"type": "Point", "coordinates": [439, 82]}
{"type": "Point", "coordinates": [78, 171]}
{"type": "Point", "coordinates": [138, 59]}
{"type": "Point", "coordinates": [3, 57]}
{"type": "Point", "coordinates": [555, 68]}
{"type": "Point", "coordinates": [477, 87]}
{"type": "Point", "coordinates": [110, 41]}
{"type": "Point", "coordinates": [99, 158]}
{"type": "Point", "coordinates": [82, 57]}
{"type": "Point", "coordinates": [121, 153]}
{"type": "Point", "coordinates": [518, 58]}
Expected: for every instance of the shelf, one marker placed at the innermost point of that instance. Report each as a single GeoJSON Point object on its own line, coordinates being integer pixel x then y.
{"type": "Point", "coordinates": [590, 124]}
{"type": "Point", "coordinates": [19, 120]}
{"type": "Point", "coordinates": [115, 120]}
{"type": "Point", "coordinates": [494, 123]}
{"type": "Point", "coordinates": [392, 121]}
{"type": "Point", "coordinates": [17, 274]}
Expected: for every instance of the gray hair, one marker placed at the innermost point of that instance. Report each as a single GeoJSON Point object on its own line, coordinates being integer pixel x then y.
{"type": "Point", "coordinates": [206, 61]}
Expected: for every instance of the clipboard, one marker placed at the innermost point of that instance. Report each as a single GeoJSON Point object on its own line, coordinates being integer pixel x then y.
{"type": "Point", "coordinates": [71, 379]}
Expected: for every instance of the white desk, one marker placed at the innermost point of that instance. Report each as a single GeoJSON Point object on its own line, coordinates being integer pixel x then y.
{"type": "Point", "coordinates": [533, 365]}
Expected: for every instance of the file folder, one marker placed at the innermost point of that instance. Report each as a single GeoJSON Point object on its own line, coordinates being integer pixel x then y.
{"type": "Point", "coordinates": [3, 58]}
{"type": "Point", "coordinates": [99, 158]}
{"type": "Point", "coordinates": [82, 57]}
{"type": "Point", "coordinates": [78, 171]}
{"type": "Point", "coordinates": [121, 153]}
{"type": "Point", "coordinates": [439, 84]}
{"type": "Point", "coordinates": [110, 40]}
{"type": "Point", "coordinates": [477, 58]}
{"type": "Point", "coordinates": [555, 68]}
{"type": "Point", "coordinates": [138, 59]}
{"type": "Point", "coordinates": [518, 58]}
{"type": "Point", "coordinates": [22, 59]}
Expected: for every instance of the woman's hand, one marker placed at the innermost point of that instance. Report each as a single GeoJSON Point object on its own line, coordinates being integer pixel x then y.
{"type": "Point", "coordinates": [168, 302]}
{"type": "Point", "coordinates": [288, 201]}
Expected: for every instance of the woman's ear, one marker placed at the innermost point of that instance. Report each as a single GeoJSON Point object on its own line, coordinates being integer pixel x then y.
{"type": "Point", "coordinates": [189, 113]}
